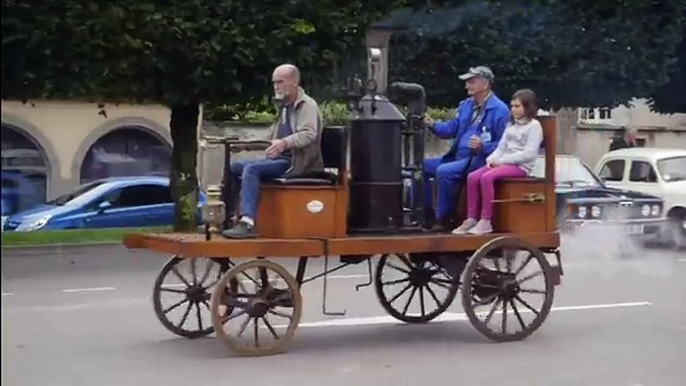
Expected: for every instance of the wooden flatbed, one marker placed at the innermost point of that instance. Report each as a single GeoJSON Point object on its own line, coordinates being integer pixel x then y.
{"type": "Point", "coordinates": [195, 245]}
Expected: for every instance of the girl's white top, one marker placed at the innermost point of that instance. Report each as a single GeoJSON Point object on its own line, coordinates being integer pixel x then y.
{"type": "Point", "coordinates": [519, 144]}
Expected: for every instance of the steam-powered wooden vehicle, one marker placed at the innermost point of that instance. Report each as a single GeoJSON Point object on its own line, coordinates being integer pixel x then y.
{"type": "Point", "coordinates": [357, 213]}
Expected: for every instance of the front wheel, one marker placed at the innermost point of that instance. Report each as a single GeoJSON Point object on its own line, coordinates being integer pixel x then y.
{"type": "Point", "coordinates": [423, 283]}
{"type": "Point", "coordinates": [182, 293]}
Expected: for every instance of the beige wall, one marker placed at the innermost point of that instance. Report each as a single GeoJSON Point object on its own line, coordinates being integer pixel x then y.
{"type": "Point", "coordinates": [66, 130]}
{"type": "Point", "coordinates": [591, 143]}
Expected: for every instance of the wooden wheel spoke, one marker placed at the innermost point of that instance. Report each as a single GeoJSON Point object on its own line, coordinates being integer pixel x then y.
{"type": "Point", "coordinates": [183, 279]}
{"type": "Point", "coordinates": [198, 315]}
{"type": "Point", "coordinates": [403, 270]}
{"type": "Point", "coordinates": [517, 314]}
{"type": "Point", "coordinates": [433, 295]}
{"type": "Point", "coordinates": [524, 264]}
{"type": "Point", "coordinates": [527, 305]}
{"type": "Point", "coordinates": [494, 308]}
{"type": "Point", "coordinates": [256, 330]}
{"type": "Point", "coordinates": [395, 281]}
{"type": "Point", "coordinates": [174, 291]}
{"type": "Point", "coordinates": [244, 325]}
{"type": "Point", "coordinates": [532, 291]}
{"type": "Point", "coordinates": [496, 262]}
{"type": "Point", "coordinates": [206, 275]}
{"type": "Point", "coordinates": [251, 279]}
{"type": "Point", "coordinates": [529, 277]}
{"type": "Point", "coordinates": [185, 315]}
{"type": "Point", "coordinates": [444, 283]}
{"type": "Point", "coordinates": [207, 305]}
{"type": "Point", "coordinates": [407, 262]}
{"type": "Point", "coordinates": [504, 318]}
{"type": "Point", "coordinates": [175, 306]}
{"type": "Point", "coordinates": [409, 300]}
{"type": "Point", "coordinates": [281, 314]}
{"type": "Point", "coordinates": [508, 262]}
{"type": "Point", "coordinates": [193, 271]}
{"type": "Point", "coordinates": [232, 317]}
{"type": "Point", "coordinates": [421, 301]}
{"type": "Point", "coordinates": [270, 327]}
{"type": "Point", "coordinates": [399, 294]}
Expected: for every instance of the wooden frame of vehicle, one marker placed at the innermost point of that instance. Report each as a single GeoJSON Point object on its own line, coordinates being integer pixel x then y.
{"type": "Point", "coordinates": [318, 217]}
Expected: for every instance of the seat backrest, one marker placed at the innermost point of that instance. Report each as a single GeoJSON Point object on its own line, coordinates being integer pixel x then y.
{"type": "Point", "coordinates": [334, 146]}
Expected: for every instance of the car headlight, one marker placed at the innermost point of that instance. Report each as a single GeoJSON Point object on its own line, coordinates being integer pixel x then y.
{"type": "Point", "coordinates": [33, 226]}
{"type": "Point", "coordinates": [656, 210]}
{"type": "Point", "coordinates": [583, 211]}
{"type": "Point", "coordinates": [595, 211]}
{"type": "Point", "coordinates": [645, 210]}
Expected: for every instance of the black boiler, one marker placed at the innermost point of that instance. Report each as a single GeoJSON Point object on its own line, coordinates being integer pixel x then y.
{"type": "Point", "coordinates": [376, 184]}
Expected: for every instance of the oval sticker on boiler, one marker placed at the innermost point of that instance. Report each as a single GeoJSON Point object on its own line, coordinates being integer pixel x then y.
{"type": "Point", "coordinates": [315, 206]}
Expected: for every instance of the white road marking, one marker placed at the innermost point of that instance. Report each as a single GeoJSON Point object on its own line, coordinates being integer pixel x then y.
{"type": "Point", "coordinates": [681, 260]}
{"type": "Point", "coordinates": [7, 294]}
{"type": "Point", "coordinates": [88, 289]}
{"type": "Point", "coordinates": [450, 316]}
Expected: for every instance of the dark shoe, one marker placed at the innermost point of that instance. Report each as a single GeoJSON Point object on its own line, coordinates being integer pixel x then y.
{"type": "Point", "coordinates": [444, 225]}
{"type": "Point", "coordinates": [240, 231]}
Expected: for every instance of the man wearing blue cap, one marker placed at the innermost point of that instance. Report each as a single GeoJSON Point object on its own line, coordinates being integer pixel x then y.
{"type": "Point", "coordinates": [476, 130]}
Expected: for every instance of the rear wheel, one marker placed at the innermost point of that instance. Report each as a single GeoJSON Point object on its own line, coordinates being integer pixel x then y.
{"type": "Point", "coordinates": [500, 277]}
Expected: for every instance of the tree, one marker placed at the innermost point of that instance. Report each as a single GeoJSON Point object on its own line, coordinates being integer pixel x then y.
{"type": "Point", "coordinates": [670, 97]}
{"type": "Point", "coordinates": [181, 53]}
{"type": "Point", "coordinates": [573, 53]}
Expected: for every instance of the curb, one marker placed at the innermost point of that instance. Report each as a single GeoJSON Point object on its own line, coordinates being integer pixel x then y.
{"type": "Point", "coordinates": [43, 249]}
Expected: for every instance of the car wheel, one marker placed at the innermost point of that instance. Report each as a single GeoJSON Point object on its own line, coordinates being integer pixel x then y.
{"type": "Point", "coordinates": [678, 232]}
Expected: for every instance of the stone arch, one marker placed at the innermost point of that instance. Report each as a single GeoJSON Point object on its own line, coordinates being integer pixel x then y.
{"type": "Point", "coordinates": [50, 158]}
{"type": "Point", "coordinates": [112, 128]}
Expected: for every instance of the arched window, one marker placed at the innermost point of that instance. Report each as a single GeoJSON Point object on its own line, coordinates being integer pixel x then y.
{"type": "Point", "coordinates": [127, 151]}
{"type": "Point", "coordinates": [24, 171]}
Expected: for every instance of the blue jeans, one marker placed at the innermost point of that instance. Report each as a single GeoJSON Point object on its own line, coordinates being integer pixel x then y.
{"type": "Point", "coordinates": [448, 176]}
{"type": "Point", "coordinates": [248, 174]}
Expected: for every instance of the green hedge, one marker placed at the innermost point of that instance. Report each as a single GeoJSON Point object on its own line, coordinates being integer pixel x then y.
{"type": "Point", "coordinates": [333, 113]}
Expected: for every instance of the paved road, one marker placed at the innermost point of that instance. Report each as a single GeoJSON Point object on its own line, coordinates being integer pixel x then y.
{"type": "Point", "coordinates": [85, 318]}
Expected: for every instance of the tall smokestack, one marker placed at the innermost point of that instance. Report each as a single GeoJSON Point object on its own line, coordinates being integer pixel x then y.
{"type": "Point", "coordinates": [377, 56]}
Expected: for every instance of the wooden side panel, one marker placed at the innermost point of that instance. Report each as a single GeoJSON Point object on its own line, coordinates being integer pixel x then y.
{"type": "Point", "coordinates": [296, 212]}
{"type": "Point", "coordinates": [513, 212]}
{"type": "Point", "coordinates": [550, 136]}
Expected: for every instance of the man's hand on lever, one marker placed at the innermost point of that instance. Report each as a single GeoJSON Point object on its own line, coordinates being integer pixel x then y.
{"type": "Point", "coordinates": [428, 121]}
{"type": "Point", "coordinates": [277, 147]}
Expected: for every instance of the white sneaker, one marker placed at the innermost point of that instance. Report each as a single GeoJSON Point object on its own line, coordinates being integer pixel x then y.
{"type": "Point", "coordinates": [482, 227]}
{"type": "Point", "coordinates": [466, 225]}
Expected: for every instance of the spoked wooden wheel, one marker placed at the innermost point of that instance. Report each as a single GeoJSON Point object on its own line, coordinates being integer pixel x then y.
{"type": "Point", "coordinates": [414, 290]}
{"type": "Point", "coordinates": [501, 278]}
{"type": "Point", "coordinates": [182, 293]}
{"type": "Point", "coordinates": [267, 300]}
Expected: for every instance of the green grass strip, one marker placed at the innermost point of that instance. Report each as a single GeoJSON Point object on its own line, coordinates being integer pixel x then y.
{"type": "Point", "coordinates": [73, 236]}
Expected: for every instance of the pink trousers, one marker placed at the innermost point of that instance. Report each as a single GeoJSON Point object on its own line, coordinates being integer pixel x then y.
{"type": "Point", "coordinates": [482, 181]}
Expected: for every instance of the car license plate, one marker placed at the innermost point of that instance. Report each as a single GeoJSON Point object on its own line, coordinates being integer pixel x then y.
{"type": "Point", "coordinates": [635, 229]}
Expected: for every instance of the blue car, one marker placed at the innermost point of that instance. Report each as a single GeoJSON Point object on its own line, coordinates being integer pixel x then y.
{"type": "Point", "coordinates": [582, 199]}
{"type": "Point", "coordinates": [18, 192]}
{"type": "Point", "coordinates": [107, 203]}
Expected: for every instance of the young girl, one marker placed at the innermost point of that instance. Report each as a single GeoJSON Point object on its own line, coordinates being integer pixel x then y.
{"type": "Point", "coordinates": [514, 157]}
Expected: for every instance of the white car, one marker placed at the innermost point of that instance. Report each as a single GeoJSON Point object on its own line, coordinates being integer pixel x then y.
{"type": "Point", "coordinates": [657, 171]}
